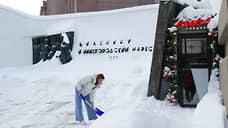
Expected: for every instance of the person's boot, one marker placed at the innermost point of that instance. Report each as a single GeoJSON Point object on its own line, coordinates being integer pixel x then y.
{"type": "Point", "coordinates": [83, 122]}
{"type": "Point", "coordinates": [90, 121]}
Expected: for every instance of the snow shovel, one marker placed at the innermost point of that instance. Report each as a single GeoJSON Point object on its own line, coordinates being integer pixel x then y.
{"type": "Point", "coordinates": [97, 110]}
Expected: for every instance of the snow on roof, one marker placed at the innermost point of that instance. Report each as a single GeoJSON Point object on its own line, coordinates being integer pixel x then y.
{"type": "Point", "coordinates": [210, 4]}
{"type": "Point", "coordinates": [190, 13]}
{"type": "Point", "coordinates": [214, 23]}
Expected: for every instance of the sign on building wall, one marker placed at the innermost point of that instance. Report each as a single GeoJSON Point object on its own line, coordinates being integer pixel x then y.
{"type": "Point", "coordinates": [113, 49]}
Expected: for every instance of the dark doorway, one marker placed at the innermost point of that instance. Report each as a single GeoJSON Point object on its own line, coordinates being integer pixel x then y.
{"type": "Point", "coordinates": [193, 68]}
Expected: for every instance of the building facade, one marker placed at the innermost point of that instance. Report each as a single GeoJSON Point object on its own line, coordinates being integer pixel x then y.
{"type": "Point", "coordinates": [223, 40]}
{"type": "Point", "coordinates": [52, 7]}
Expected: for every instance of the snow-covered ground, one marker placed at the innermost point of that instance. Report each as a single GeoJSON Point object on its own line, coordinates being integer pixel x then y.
{"type": "Point", "coordinates": [37, 96]}
{"type": "Point", "coordinates": [43, 96]}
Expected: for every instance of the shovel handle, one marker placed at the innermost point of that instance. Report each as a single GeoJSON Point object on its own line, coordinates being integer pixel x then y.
{"type": "Point", "coordinates": [98, 111]}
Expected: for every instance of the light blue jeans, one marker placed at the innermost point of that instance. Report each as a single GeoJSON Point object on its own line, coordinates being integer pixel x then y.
{"type": "Point", "coordinates": [78, 108]}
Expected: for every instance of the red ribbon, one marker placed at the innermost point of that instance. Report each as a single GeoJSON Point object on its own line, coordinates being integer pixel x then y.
{"type": "Point", "coordinates": [213, 33]}
{"type": "Point", "coordinates": [171, 100]}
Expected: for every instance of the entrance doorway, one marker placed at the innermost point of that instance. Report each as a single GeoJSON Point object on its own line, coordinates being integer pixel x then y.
{"type": "Point", "coordinates": [193, 68]}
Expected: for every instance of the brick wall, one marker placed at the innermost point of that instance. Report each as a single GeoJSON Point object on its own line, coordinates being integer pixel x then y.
{"type": "Point", "coordinates": [71, 6]}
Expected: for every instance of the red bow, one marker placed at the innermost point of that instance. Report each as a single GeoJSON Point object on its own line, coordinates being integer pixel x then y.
{"type": "Point", "coordinates": [171, 100]}
{"type": "Point", "coordinates": [213, 33]}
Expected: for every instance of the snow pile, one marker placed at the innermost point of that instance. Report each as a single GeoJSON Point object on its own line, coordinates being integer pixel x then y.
{"type": "Point", "coordinates": [210, 113]}
{"type": "Point", "coordinates": [190, 13]}
{"type": "Point", "coordinates": [145, 113]}
{"type": "Point", "coordinates": [214, 23]}
{"type": "Point", "coordinates": [210, 4]}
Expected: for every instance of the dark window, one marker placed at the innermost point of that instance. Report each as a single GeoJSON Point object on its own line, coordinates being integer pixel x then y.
{"type": "Point", "coordinates": [193, 65]}
{"type": "Point", "coordinates": [194, 46]}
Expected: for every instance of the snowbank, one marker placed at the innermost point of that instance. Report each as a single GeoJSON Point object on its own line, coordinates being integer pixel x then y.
{"type": "Point", "coordinates": [210, 112]}
{"type": "Point", "coordinates": [145, 113]}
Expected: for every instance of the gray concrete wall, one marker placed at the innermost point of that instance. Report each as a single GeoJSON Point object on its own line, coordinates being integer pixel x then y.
{"type": "Point", "coordinates": [224, 81]}
{"type": "Point", "coordinates": [226, 48]}
{"type": "Point", "coordinates": [167, 11]}
{"type": "Point", "coordinates": [223, 40]}
{"type": "Point", "coordinates": [223, 23]}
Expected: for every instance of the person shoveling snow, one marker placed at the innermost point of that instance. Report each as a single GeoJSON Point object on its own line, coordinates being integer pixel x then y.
{"type": "Point", "coordinates": [85, 89]}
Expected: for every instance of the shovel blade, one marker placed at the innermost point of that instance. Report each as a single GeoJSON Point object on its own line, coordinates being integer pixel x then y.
{"type": "Point", "coordinates": [99, 112]}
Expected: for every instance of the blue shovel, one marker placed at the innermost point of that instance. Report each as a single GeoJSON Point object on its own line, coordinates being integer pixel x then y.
{"type": "Point", "coordinates": [97, 110]}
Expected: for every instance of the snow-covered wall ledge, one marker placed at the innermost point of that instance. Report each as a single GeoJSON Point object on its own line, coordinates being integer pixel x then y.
{"type": "Point", "coordinates": [18, 29]}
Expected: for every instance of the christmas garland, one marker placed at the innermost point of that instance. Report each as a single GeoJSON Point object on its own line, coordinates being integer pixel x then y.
{"type": "Point", "coordinates": [170, 66]}
{"type": "Point", "coordinates": [216, 50]}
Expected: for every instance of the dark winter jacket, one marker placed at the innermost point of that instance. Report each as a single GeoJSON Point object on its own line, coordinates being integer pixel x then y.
{"type": "Point", "coordinates": [188, 80]}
